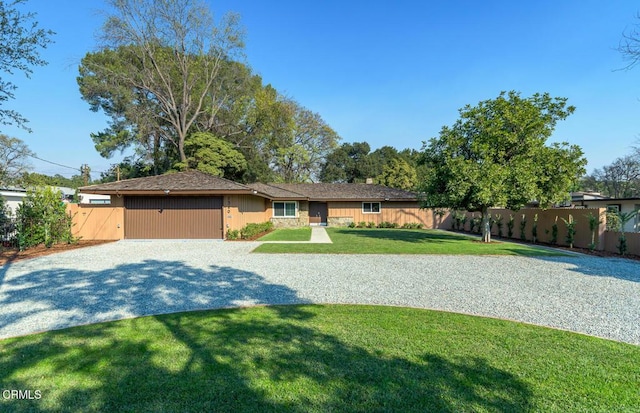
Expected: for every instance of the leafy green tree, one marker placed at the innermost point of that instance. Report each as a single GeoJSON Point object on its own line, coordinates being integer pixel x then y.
{"type": "Point", "coordinates": [495, 155]}
{"type": "Point", "coordinates": [213, 155]}
{"type": "Point", "coordinates": [14, 159]}
{"type": "Point", "coordinates": [174, 63]}
{"type": "Point", "coordinates": [300, 149]}
{"type": "Point", "coordinates": [348, 163]}
{"type": "Point", "coordinates": [42, 219]}
{"type": "Point", "coordinates": [398, 174]}
{"type": "Point", "coordinates": [35, 179]}
{"type": "Point", "coordinates": [127, 169]}
{"type": "Point", "coordinates": [20, 41]}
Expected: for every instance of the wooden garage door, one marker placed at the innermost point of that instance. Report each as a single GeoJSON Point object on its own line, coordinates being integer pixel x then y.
{"type": "Point", "coordinates": [172, 217]}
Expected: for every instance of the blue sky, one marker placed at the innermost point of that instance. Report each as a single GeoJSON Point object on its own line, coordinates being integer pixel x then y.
{"type": "Point", "coordinates": [389, 73]}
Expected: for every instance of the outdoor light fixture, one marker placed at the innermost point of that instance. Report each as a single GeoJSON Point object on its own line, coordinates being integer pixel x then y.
{"type": "Point", "coordinates": [166, 192]}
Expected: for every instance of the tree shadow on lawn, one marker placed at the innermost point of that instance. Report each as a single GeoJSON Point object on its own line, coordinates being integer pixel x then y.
{"type": "Point", "coordinates": [58, 298]}
{"type": "Point", "coordinates": [273, 361]}
{"type": "Point", "coordinates": [412, 236]}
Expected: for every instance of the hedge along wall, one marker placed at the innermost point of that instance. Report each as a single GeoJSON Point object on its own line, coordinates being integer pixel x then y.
{"type": "Point", "coordinates": [546, 219]}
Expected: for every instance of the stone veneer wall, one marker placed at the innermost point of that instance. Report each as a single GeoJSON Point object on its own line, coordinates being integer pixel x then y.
{"type": "Point", "coordinates": [339, 221]}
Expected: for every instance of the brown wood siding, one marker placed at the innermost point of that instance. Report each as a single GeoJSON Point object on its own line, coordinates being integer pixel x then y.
{"type": "Point", "coordinates": [173, 217]}
{"type": "Point", "coordinates": [398, 212]}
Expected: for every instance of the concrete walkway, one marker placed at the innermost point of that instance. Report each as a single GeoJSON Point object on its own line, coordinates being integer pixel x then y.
{"type": "Point", "coordinates": [318, 236]}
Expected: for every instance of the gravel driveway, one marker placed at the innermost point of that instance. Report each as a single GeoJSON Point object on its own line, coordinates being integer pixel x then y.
{"type": "Point", "coordinates": [126, 279]}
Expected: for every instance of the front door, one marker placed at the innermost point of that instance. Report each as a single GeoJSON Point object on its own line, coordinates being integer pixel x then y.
{"type": "Point", "coordinates": [317, 213]}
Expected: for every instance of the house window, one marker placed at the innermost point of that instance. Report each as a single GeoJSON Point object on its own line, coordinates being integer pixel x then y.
{"type": "Point", "coordinates": [371, 207]}
{"type": "Point", "coordinates": [613, 208]}
{"type": "Point", "coordinates": [100, 201]}
{"type": "Point", "coordinates": [285, 209]}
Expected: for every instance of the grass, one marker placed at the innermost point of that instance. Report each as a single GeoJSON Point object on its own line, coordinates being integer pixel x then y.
{"type": "Point", "coordinates": [317, 359]}
{"type": "Point", "coordinates": [401, 241]}
{"type": "Point", "coordinates": [288, 234]}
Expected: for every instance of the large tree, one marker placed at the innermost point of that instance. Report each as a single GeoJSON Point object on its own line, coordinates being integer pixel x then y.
{"type": "Point", "coordinates": [299, 149]}
{"type": "Point", "coordinates": [350, 162]}
{"type": "Point", "coordinates": [620, 179]}
{"type": "Point", "coordinates": [173, 59]}
{"type": "Point", "coordinates": [20, 42]}
{"type": "Point", "coordinates": [495, 155]}
{"type": "Point", "coordinates": [14, 160]}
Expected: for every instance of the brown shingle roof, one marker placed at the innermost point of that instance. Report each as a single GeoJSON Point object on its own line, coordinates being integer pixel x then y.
{"type": "Point", "coordinates": [195, 182]}
{"type": "Point", "coordinates": [189, 181]}
{"type": "Point", "coordinates": [342, 191]}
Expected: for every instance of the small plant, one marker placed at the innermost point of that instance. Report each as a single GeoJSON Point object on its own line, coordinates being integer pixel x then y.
{"type": "Point", "coordinates": [387, 224]}
{"type": "Point", "coordinates": [351, 224]}
{"type": "Point", "coordinates": [412, 225]}
{"type": "Point", "coordinates": [623, 218]}
{"type": "Point", "coordinates": [594, 223]}
{"type": "Point", "coordinates": [371, 224]}
{"type": "Point", "coordinates": [571, 230]}
{"type": "Point", "coordinates": [477, 223]}
{"type": "Point", "coordinates": [499, 224]}
{"type": "Point", "coordinates": [361, 224]}
{"type": "Point", "coordinates": [523, 224]}
{"type": "Point", "coordinates": [456, 220]}
{"type": "Point", "coordinates": [233, 234]}
{"type": "Point", "coordinates": [492, 222]}
{"type": "Point", "coordinates": [534, 229]}
{"type": "Point", "coordinates": [554, 232]}
{"type": "Point", "coordinates": [463, 221]}
{"type": "Point", "coordinates": [510, 224]}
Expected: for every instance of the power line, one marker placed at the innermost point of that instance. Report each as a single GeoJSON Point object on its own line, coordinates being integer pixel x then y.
{"type": "Point", "coordinates": [55, 163]}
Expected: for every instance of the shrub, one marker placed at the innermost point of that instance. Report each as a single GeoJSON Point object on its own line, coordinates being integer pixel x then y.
{"type": "Point", "coordinates": [613, 221]}
{"type": "Point", "coordinates": [42, 219]}
{"type": "Point", "coordinates": [412, 225]}
{"type": "Point", "coordinates": [594, 223]}
{"type": "Point", "coordinates": [351, 224]}
{"type": "Point", "coordinates": [571, 230]}
{"type": "Point", "coordinates": [458, 220]}
{"type": "Point", "coordinates": [387, 224]}
{"type": "Point", "coordinates": [361, 224]}
{"type": "Point", "coordinates": [523, 225]}
{"type": "Point", "coordinates": [475, 224]}
{"type": "Point", "coordinates": [554, 232]}
{"type": "Point", "coordinates": [499, 224]}
{"type": "Point", "coordinates": [534, 228]}
{"type": "Point", "coordinates": [251, 230]}
{"type": "Point", "coordinates": [233, 234]}
{"type": "Point", "coordinates": [371, 224]}
{"type": "Point", "coordinates": [510, 224]}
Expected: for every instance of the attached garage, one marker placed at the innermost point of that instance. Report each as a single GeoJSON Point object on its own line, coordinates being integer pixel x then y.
{"type": "Point", "coordinates": [173, 217]}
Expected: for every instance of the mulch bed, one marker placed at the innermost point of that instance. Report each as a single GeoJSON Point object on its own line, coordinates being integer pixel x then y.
{"type": "Point", "coordinates": [9, 255]}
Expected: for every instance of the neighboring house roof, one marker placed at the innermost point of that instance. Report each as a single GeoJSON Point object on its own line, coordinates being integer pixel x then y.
{"type": "Point", "coordinates": [337, 192]}
{"type": "Point", "coordinates": [587, 196]}
{"type": "Point", "coordinates": [189, 182]}
{"type": "Point", "coordinates": [200, 183]}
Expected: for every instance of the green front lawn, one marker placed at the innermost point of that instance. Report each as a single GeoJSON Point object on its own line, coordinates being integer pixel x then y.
{"type": "Point", "coordinates": [404, 241]}
{"type": "Point", "coordinates": [318, 359]}
{"type": "Point", "coordinates": [288, 234]}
